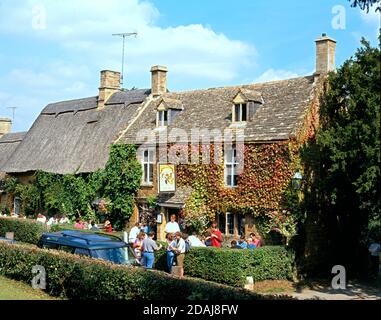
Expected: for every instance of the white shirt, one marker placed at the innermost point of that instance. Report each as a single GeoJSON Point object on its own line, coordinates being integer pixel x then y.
{"type": "Point", "coordinates": [41, 220]}
{"type": "Point", "coordinates": [133, 234]}
{"type": "Point", "coordinates": [180, 245]}
{"type": "Point", "coordinates": [172, 227]}
{"type": "Point", "coordinates": [51, 221]}
{"type": "Point", "coordinates": [195, 242]}
{"type": "Point", "coordinates": [374, 249]}
{"type": "Point", "coordinates": [64, 220]}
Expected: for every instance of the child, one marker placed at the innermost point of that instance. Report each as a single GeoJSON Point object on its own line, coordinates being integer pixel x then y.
{"type": "Point", "coordinates": [242, 242]}
{"type": "Point", "coordinates": [234, 245]}
{"type": "Point", "coordinates": [108, 226]}
{"type": "Point", "coordinates": [250, 244]}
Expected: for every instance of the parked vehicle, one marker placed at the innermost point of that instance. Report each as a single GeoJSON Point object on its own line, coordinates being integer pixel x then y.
{"type": "Point", "coordinates": [94, 245]}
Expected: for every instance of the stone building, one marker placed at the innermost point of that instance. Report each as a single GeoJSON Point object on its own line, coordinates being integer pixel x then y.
{"type": "Point", "coordinates": [74, 136]}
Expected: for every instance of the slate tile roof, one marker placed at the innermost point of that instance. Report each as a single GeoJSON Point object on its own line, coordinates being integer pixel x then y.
{"type": "Point", "coordinates": [284, 105]}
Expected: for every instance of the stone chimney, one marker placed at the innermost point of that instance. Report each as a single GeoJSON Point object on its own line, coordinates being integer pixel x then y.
{"type": "Point", "coordinates": [5, 126]}
{"type": "Point", "coordinates": [110, 83]}
{"type": "Point", "coordinates": [159, 80]}
{"type": "Point", "coordinates": [325, 54]}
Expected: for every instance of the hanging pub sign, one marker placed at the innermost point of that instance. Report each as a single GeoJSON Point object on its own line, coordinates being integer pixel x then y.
{"type": "Point", "coordinates": [167, 178]}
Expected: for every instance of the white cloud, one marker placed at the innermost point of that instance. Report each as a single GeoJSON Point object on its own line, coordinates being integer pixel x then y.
{"type": "Point", "coordinates": [74, 42]}
{"type": "Point", "coordinates": [372, 17]}
{"type": "Point", "coordinates": [273, 75]}
{"type": "Point", "coordinates": [372, 20]}
{"type": "Point", "coordinates": [84, 28]}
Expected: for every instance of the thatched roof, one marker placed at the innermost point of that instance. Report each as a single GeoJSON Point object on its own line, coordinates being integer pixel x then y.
{"type": "Point", "coordinates": [283, 108]}
{"type": "Point", "coordinates": [8, 144]}
{"type": "Point", "coordinates": [75, 136]}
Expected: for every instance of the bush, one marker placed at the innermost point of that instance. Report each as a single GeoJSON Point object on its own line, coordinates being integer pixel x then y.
{"type": "Point", "coordinates": [25, 230]}
{"type": "Point", "coordinates": [80, 278]}
{"type": "Point", "coordinates": [232, 266]}
{"type": "Point", "coordinates": [225, 266]}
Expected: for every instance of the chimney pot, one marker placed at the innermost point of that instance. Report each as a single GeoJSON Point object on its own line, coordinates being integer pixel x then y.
{"type": "Point", "coordinates": [159, 80]}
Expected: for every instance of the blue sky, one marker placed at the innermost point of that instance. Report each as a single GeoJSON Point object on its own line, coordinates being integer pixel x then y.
{"type": "Point", "coordinates": [53, 50]}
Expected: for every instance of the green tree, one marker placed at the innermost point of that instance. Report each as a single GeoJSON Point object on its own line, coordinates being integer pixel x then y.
{"type": "Point", "coordinates": [365, 4]}
{"type": "Point", "coordinates": [345, 189]}
{"type": "Point", "coordinates": [120, 181]}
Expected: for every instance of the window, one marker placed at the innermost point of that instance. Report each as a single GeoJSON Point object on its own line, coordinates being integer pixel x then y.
{"type": "Point", "coordinates": [231, 165]}
{"type": "Point", "coordinates": [82, 252]}
{"type": "Point", "coordinates": [162, 119]}
{"type": "Point", "coordinates": [231, 223]}
{"type": "Point", "coordinates": [148, 164]}
{"type": "Point", "coordinates": [240, 112]}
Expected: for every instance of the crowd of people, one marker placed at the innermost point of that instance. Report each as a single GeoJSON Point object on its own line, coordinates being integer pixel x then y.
{"type": "Point", "coordinates": [145, 246]}
{"type": "Point", "coordinates": [178, 243]}
{"type": "Point", "coordinates": [78, 224]}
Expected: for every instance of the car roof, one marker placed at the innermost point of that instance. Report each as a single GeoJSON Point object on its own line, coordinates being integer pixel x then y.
{"type": "Point", "coordinates": [84, 240]}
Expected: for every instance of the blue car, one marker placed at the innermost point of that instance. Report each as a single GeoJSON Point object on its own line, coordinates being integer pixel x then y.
{"type": "Point", "coordinates": [94, 245]}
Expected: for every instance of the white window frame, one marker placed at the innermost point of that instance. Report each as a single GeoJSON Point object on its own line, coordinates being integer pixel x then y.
{"type": "Point", "coordinates": [241, 106]}
{"type": "Point", "coordinates": [160, 118]}
{"type": "Point", "coordinates": [233, 164]}
{"type": "Point", "coordinates": [150, 161]}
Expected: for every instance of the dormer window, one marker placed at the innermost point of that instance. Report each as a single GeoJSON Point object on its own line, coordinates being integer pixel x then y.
{"type": "Point", "coordinates": [167, 111]}
{"type": "Point", "coordinates": [162, 118]}
{"type": "Point", "coordinates": [240, 112]}
{"type": "Point", "coordinates": [245, 105]}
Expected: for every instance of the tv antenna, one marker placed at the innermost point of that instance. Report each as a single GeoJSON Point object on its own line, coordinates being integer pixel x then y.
{"type": "Point", "coordinates": [13, 113]}
{"type": "Point", "coordinates": [124, 36]}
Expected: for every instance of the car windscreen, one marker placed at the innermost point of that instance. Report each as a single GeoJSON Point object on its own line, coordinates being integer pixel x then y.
{"type": "Point", "coordinates": [124, 255]}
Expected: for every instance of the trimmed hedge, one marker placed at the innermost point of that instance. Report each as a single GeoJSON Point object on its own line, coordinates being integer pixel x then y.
{"type": "Point", "coordinates": [225, 266]}
{"type": "Point", "coordinates": [232, 266]}
{"type": "Point", "coordinates": [28, 231]}
{"type": "Point", "coordinates": [80, 278]}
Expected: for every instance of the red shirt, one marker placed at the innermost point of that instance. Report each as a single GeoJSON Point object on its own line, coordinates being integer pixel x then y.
{"type": "Point", "coordinates": [217, 242]}
{"type": "Point", "coordinates": [109, 228]}
{"type": "Point", "coordinates": [79, 226]}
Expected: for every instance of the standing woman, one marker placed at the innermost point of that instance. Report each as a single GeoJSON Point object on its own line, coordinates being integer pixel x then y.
{"type": "Point", "coordinates": [149, 247]}
{"type": "Point", "coordinates": [216, 236]}
{"type": "Point", "coordinates": [138, 245]}
{"type": "Point", "coordinates": [180, 249]}
{"type": "Point", "coordinates": [170, 253]}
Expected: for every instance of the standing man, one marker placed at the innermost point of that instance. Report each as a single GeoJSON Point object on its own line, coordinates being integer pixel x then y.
{"type": "Point", "coordinates": [134, 232]}
{"type": "Point", "coordinates": [172, 226]}
{"type": "Point", "coordinates": [149, 247]}
{"type": "Point", "coordinates": [180, 250]}
{"type": "Point", "coordinates": [216, 237]}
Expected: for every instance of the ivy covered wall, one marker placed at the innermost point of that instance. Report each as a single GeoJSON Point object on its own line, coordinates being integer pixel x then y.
{"type": "Point", "coordinates": [264, 187]}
